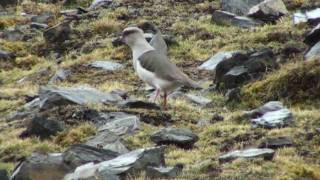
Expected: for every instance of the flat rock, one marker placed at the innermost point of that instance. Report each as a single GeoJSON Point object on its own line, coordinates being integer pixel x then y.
{"type": "Point", "coordinates": [311, 17]}
{"type": "Point", "coordinates": [13, 35]}
{"type": "Point", "coordinates": [79, 154]}
{"type": "Point", "coordinates": [183, 138]}
{"type": "Point", "coordinates": [192, 98]}
{"type": "Point", "coordinates": [227, 18]}
{"type": "Point", "coordinates": [57, 96]}
{"type": "Point", "coordinates": [106, 65]}
{"type": "Point", "coordinates": [43, 18]}
{"type": "Point", "coordinates": [120, 123]}
{"type": "Point", "coordinates": [248, 153]}
{"type": "Point", "coordinates": [59, 76]}
{"type": "Point", "coordinates": [275, 143]}
{"type": "Point", "coordinates": [129, 163]}
{"type": "Point", "coordinates": [107, 140]}
{"type": "Point", "coordinates": [38, 165]}
{"type": "Point", "coordinates": [138, 104]}
{"type": "Point", "coordinates": [268, 10]}
{"type": "Point", "coordinates": [239, 7]}
{"type": "Point", "coordinates": [313, 53]}
{"type": "Point", "coordinates": [163, 172]}
{"type": "Point", "coordinates": [211, 64]}
{"type": "Point", "coordinates": [43, 128]}
{"type": "Point", "coordinates": [313, 37]}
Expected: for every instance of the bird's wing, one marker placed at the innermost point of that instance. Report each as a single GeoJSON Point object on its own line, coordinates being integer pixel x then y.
{"type": "Point", "coordinates": [159, 64]}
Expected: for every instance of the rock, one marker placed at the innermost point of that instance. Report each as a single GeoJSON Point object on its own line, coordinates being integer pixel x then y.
{"type": "Point", "coordinates": [183, 138]}
{"type": "Point", "coordinates": [239, 7]}
{"type": "Point", "coordinates": [233, 95]}
{"type": "Point", "coordinates": [291, 49]}
{"type": "Point", "coordinates": [211, 64]}
{"type": "Point", "coordinates": [77, 155]}
{"type": "Point", "coordinates": [39, 26]}
{"type": "Point", "coordinates": [313, 37]}
{"type": "Point", "coordinates": [6, 3]}
{"type": "Point", "coordinates": [226, 18]}
{"type": "Point", "coordinates": [107, 140]}
{"type": "Point", "coordinates": [43, 18]}
{"type": "Point", "coordinates": [4, 174]}
{"type": "Point", "coordinates": [275, 143]}
{"type": "Point", "coordinates": [58, 33]}
{"type": "Point", "coordinates": [120, 123]}
{"type": "Point", "coordinates": [43, 128]}
{"type": "Point", "coordinates": [164, 172]}
{"type": "Point", "coordinates": [248, 153]}
{"type": "Point", "coordinates": [4, 55]}
{"type": "Point", "coordinates": [130, 163]}
{"type": "Point", "coordinates": [13, 35]}
{"type": "Point", "coordinates": [270, 115]}
{"type": "Point", "coordinates": [312, 17]}
{"type": "Point", "coordinates": [39, 165]}
{"type": "Point", "coordinates": [100, 3]}
{"type": "Point", "coordinates": [106, 65]}
{"type": "Point", "coordinates": [313, 53]}
{"type": "Point", "coordinates": [195, 99]}
{"type": "Point", "coordinates": [60, 75]}
{"type": "Point", "coordinates": [122, 93]}
{"type": "Point", "coordinates": [242, 68]}
{"type": "Point", "coordinates": [268, 10]}
{"type": "Point", "coordinates": [137, 104]}
{"type": "Point", "coordinates": [58, 96]}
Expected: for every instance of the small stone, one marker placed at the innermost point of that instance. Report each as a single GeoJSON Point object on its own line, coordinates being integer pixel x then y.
{"type": "Point", "coordinates": [212, 63]}
{"type": "Point", "coordinates": [275, 143]}
{"type": "Point", "coordinates": [106, 65]}
{"type": "Point", "coordinates": [233, 95]}
{"type": "Point", "coordinates": [137, 104]}
{"type": "Point", "coordinates": [60, 75]}
{"type": "Point", "coordinates": [274, 119]}
{"type": "Point", "coordinates": [248, 153]}
{"type": "Point", "coordinates": [226, 18]}
{"type": "Point", "coordinates": [164, 172]}
{"type": "Point", "coordinates": [268, 10]}
{"type": "Point", "coordinates": [313, 53]}
{"type": "Point", "coordinates": [183, 138]}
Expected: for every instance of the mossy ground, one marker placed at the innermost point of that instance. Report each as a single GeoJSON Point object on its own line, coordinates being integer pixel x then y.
{"type": "Point", "coordinates": [295, 83]}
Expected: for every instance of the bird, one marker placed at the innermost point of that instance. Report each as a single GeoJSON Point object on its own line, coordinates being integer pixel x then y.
{"type": "Point", "coordinates": [154, 67]}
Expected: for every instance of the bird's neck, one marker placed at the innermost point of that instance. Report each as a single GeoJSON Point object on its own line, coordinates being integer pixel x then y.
{"type": "Point", "coordinates": [140, 47]}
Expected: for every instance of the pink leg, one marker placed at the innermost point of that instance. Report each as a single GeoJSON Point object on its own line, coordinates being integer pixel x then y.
{"type": "Point", "coordinates": [157, 94]}
{"type": "Point", "coordinates": [165, 101]}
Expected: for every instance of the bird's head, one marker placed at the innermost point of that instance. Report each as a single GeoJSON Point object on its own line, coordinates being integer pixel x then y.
{"type": "Point", "coordinates": [131, 35]}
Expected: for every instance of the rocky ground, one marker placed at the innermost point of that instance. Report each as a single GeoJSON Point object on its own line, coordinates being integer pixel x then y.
{"type": "Point", "coordinates": [72, 107]}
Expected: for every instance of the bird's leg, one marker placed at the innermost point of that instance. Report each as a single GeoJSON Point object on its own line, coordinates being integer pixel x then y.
{"type": "Point", "coordinates": [157, 94]}
{"type": "Point", "coordinates": [165, 101]}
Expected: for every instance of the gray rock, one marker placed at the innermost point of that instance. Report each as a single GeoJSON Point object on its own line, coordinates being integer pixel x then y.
{"type": "Point", "coordinates": [4, 174]}
{"type": "Point", "coordinates": [43, 18]}
{"type": "Point", "coordinates": [4, 55]}
{"type": "Point", "coordinates": [268, 10]}
{"type": "Point", "coordinates": [313, 53]}
{"type": "Point", "coordinates": [106, 65]}
{"type": "Point", "coordinates": [274, 119]}
{"type": "Point", "coordinates": [43, 128]}
{"type": "Point", "coordinates": [59, 76]}
{"type": "Point", "coordinates": [313, 37]}
{"type": "Point", "coordinates": [58, 33]}
{"type": "Point", "coordinates": [311, 17]}
{"type": "Point", "coordinates": [183, 138]}
{"type": "Point", "coordinates": [270, 106]}
{"type": "Point", "coordinates": [211, 64]}
{"type": "Point", "coordinates": [77, 155]}
{"type": "Point", "coordinates": [57, 96]}
{"type": "Point", "coordinates": [137, 104]}
{"type": "Point", "coordinates": [192, 98]}
{"type": "Point", "coordinates": [130, 163]}
{"type": "Point", "coordinates": [120, 123]}
{"type": "Point", "coordinates": [226, 18]}
{"type": "Point", "coordinates": [275, 143]}
{"type": "Point", "coordinates": [239, 7]}
{"type": "Point", "coordinates": [100, 3]}
{"type": "Point", "coordinates": [164, 172]}
{"type": "Point", "coordinates": [248, 153]}
{"type": "Point", "coordinates": [38, 165]}
{"type": "Point", "coordinates": [107, 140]}
{"type": "Point", "coordinates": [39, 26]}
{"type": "Point", "coordinates": [13, 35]}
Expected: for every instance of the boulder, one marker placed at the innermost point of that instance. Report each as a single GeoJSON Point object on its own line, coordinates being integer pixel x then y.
{"type": "Point", "coordinates": [57, 96]}
{"type": "Point", "coordinates": [164, 172]}
{"type": "Point", "coordinates": [313, 53]}
{"type": "Point", "coordinates": [58, 33]}
{"type": "Point", "coordinates": [268, 10]}
{"type": "Point", "coordinates": [248, 153]}
{"type": "Point", "coordinates": [313, 37]}
{"type": "Point", "coordinates": [229, 19]}
{"type": "Point", "coordinates": [129, 163]}
{"type": "Point", "coordinates": [312, 17]}
{"type": "Point", "coordinates": [106, 65]}
{"type": "Point", "coordinates": [137, 104]}
{"type": "Point", "coordinates": [43, 18]}
{"type": "Point", "coordinates": [43, 128]}
{"type": "Point", "coordinates": [239, 7]}
{"type": "Point", "coordinates": [100, 3]}
{"type": "Point", "coordinates": [275, 143]}
{"type": "Point", "coordinates": [183, 138]}
{"type": "Point", "coordinates": [270, 115]}
{"type": "Point", "coordinates": [120, 123]}
{"type": "Point", "coordinates": [39, 166]}
{"type": "Point", "coordinates": [59, 76]}
{"type": "Point", "coordinates": [77, 155]}
{"type": "Point", "coordinates": [211, 64]}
